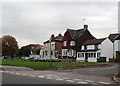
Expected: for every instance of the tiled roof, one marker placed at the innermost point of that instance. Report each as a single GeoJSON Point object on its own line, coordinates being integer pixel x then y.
{"type": "Point", "coordinates": [75, 33]}
{"type": "Point", "coordinates": [93, 41]}
{"type": "Point", "coordinates": [112, 37]}
{"type": "Point", "coordinates": [117, 37]}
{"type": "Point", "coordinates": [57, 38]}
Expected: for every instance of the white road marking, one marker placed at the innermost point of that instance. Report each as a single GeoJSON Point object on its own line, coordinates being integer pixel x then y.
{"type": "Point", "coordinates": [104, 83]}
{"type": "Point", "coordinates": [17, 73]}
{"type": "Point", "coordinates": [1, 71]}
{"type": "Point", "coordinates": [89, 81]}
{"type": "Point", "coordinates": [70, 81]}
{"type": "Point", "coordinates": [41, 76]}
{"type": "Point", "coordinates": [59, 79]}
{"type": "Point", "coordinates": [32, 75]}
{"type": "Point", "coordinates": [12, 72]}
{"type": "Point", "coordinates": [102, 68]}
{"type": "Point", "coordinates": [49, 77]}
{"type": "Point", "coordinates": [82, 82]}
{"type": "Point", "coordinates": [65, 73]}
{"type": "Point", "coordinates": [24, 74]}
{"type": "Point", "coordinates": [7, 71]}
{"type": "Point", "coordinates": [77, 79]}
{"type": "Point", "coordinates": [66, 78]}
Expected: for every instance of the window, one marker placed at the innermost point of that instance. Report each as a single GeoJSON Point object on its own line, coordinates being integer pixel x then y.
{"type": "Point", "coordinates": [80, 55]}
{"type": "Point", "coordinates": [90, 47]}
{"type": "Point", "coordinates": [98, 54]}
{"type": "Point", "coordinates": [72, 43]}
{"type": "Point", "coordinates": [94, 55]}
{"type": "Point", "coordinates": [91, 55]}
{"type": "Point", "coordinates": [82, 48]}
{"type": "Point", "coordinates": [99, 46]}
{"type": "Point", "coordinates": [65, 43]}
{"type": "Point", "coordinates": [64, 52]}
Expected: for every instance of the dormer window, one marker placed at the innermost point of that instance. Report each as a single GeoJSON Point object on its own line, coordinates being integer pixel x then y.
{"type": "Point", "coordinates": [72, 43]}
{"type": "Point", "coordinates": [82, 48]}
{"type": "Point", "coordinates": [65, 43]}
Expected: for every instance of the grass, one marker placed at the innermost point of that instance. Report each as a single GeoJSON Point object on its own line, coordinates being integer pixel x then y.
{"type": "Point", "coordinates": [44, 65]}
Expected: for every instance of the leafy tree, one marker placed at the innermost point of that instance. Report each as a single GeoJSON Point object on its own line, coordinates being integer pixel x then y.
{"type": "Point", "coordinates": [30, 49]}
{"type": "Point", "coordinates": [9, 46]}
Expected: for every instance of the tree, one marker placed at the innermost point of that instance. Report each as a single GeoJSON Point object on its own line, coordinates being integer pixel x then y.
{"type": "Point", "coordinates": [9, 46]}
{"type": "Point", "coordinates": [30, 49]}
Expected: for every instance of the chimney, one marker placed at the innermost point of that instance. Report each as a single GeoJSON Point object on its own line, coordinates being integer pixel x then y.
{"type": "Point", "coordinates": [85, 26]}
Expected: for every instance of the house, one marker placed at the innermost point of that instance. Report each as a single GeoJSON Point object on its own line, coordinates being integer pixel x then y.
{"type": "Point", "coordinates": [114, 45]}
{"type": "Point", "coordinates": [90, 51]}
{"type": "Point", "coordinates": [94, 49]}
{"type": "Point", "coordinates": [117, 52]}
{"type": "Point", "coordinates": [52, 47]}
{"type": "Point", "coordinates": [72, 41]}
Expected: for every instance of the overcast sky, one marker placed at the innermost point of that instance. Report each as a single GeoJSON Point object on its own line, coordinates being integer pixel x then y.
{"type": "Point", "coordinates": [34, 22]}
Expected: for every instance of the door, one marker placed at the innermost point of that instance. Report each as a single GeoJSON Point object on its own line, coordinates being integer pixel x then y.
{"type": "Point", "coordinates": [86, 57]}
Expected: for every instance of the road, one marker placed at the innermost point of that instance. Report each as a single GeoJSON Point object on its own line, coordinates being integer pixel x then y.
{"type": "Point", "coordinates": [16, 79]}
{"type": "Point", "coordinates": [96, 71]}
{"type": "Point", "coordinates": [98, 76]}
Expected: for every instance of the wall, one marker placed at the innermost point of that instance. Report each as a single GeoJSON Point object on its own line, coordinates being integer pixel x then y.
{"type": "Point", "coordinates": [107, 49]}
{"type": "Point", "coordinates": [92, 59]}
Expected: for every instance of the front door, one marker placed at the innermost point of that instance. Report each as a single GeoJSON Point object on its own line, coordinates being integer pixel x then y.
{"type": "Point", "coordinates": [86, 57]}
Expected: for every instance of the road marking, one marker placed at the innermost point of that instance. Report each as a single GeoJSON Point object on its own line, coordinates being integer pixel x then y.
{"type": "Point", "coordinates": [66, 78]}
{"type": "Point", "coordinates": [104, 83]}
{"type": "Point", "coordinates": [77, 79]}
{"type": "Point", "coordinates": [11, 72]}
{"type": "Point", "coordinates": [7, 71]}
{"type": "Point", "coordinates": [24, 74]}
{"type": "Point", "coordinates": [82, 82]}
{"type": "Point", "coordinates": [49, 75]}
{"type": "Point", "coordinates": [70, 81]}
{"type": "Point", "coordinates": [59, 79]}
{"type": "Point", "coordinates": [49, 78]}
{"type": "Point", "coordinates": [56, 76]}
{"type": "Point", "coordinates": [102, 68]}
{"type": "Point", "coordinates": [89, 81]}
{"type": "Point", "coordinates": [17, 73]}
{"type": "Point", "coordinates": [32, 75]}
{"type": "Point", "coordinates": [41, 76]}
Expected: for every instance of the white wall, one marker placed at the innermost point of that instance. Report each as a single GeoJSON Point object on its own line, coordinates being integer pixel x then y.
{"type": "Point", "coordinates": [115, 47]}
{"type": "Point", "coordinates": [92, 59]}
{"type": "Point", "coordinates": [107, 49]}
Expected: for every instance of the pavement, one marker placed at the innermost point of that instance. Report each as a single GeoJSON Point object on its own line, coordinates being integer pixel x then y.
{"type": "Point", "coordinates": [116, 79]}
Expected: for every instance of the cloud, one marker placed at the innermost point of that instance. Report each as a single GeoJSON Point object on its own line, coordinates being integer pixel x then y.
{"type": "Point", "coordinates": [35, 22]}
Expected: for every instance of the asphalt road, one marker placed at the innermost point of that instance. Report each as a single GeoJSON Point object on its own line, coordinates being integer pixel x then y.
{"type": "Point", "coordinates": [16, 79]}
{"type": "Point", "coordinates": [96, 71]}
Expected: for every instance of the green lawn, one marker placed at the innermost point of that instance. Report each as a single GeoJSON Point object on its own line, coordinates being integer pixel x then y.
{"type": "Point", "coordinates": [44, 65]}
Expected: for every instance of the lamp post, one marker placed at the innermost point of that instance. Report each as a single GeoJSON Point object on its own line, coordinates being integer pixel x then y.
{"type": "Point", "coordinates": [50, 50]}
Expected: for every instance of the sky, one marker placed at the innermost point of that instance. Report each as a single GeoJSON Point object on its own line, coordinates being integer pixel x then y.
{"type": "Point", "coordinates": [34, 22]}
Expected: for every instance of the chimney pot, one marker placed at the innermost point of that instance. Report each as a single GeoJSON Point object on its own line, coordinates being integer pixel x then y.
{"type": "Point", "coordinates": [85, 26]}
